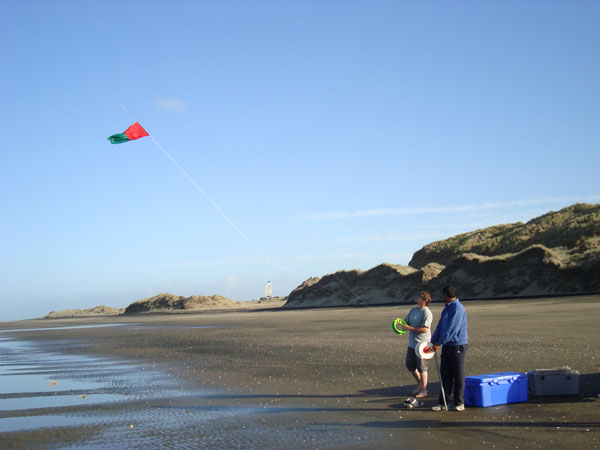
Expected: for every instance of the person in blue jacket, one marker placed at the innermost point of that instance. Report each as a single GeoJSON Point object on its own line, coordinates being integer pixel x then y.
{"type": "Point", "coordinates": [451, 334]}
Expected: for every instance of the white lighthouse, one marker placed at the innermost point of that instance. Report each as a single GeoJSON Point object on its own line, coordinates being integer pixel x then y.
{"type": "Point", "coordinates": [268, 290]}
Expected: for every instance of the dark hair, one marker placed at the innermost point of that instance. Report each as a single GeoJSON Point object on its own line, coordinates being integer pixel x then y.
{"type": "Point", "coordinates": [427, 297]}
{"type": "Point", "coordinates": [449, 291]}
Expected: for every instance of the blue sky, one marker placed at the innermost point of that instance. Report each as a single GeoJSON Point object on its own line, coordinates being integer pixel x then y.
{"type": "Point", "coordinates": [333, 134]}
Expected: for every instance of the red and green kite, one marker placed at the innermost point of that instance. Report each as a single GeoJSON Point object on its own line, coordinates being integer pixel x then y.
{"type": "Point", "coordinates": [132, 133]}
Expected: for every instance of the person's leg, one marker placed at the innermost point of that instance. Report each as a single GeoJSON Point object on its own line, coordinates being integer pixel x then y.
{"type": "Point", "coordinates": [415, 373]}
{"type": "Point", "coordinates": [458, 374]}
{"type": "Point", "coordinates": [411, 365]}
{"type": "Point", "coordinates": [423, 392]}
{"type": "Point", "coordinates": [446, 374]}
{"type": "Point", "coordinates": [422, 370]}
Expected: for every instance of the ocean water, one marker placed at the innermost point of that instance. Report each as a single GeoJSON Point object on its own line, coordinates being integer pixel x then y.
{"type": "Point", "coordinates": [77, 401]}
{"type": "Point", "coordinates": [33, 378]}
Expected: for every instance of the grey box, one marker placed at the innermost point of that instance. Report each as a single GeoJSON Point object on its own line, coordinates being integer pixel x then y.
{"type": "Point", "coordinates": [558, 381]}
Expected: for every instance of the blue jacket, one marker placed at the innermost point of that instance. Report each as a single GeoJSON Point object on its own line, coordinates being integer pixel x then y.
{"type": "Point", "coordinates": [452, 327]}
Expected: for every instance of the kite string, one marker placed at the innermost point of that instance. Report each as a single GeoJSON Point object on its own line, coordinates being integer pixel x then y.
{"type": "Point", "coordinates": [212, 202]}
{"type": "Point", "coordinates": [235, 227]}
{"type": "Point", "coordinates": [203, 192]}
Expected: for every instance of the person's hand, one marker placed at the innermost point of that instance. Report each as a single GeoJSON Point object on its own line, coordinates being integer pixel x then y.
{"type": "Point", "coordinates": [405, 326]}
{"type": "Point", "coordinates": [434, 347]}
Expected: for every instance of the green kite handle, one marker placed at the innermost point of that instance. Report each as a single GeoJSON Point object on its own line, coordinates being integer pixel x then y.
{"type": "Point", "coordinates": [400, 331]}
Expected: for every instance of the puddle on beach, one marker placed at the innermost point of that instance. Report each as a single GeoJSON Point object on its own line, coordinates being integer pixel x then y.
{"type": "Point", "coordinates": [29, 383]}
{"type": "Point", "coordinates": [34, 379]}
{"type": "Point", "coordinates": [56, 401]}
{"type": "Point", "coordinates": [109, 403]}
{"type": "Point", "coordinates": [132, 402]}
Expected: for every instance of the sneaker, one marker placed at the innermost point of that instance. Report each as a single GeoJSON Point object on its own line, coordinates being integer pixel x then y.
{"type": "Point", "coordinates": [438, 408]}
{"type": "Point", "coordinates": [459, 408]}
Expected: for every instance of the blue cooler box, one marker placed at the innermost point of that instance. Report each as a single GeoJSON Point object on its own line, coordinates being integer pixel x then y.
{"type": "Point", "coordinates": [496, 389]}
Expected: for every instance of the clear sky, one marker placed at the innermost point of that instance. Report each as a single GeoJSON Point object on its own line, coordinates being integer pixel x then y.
{"type": "Point", "coordinates": [333, 134]}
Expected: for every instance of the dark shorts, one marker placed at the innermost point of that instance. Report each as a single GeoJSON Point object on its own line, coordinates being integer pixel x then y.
{"type": "Point", "coordinates": [413, 362]}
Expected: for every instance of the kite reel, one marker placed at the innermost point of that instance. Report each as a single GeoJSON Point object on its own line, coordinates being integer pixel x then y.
{"type": "Point", "coordinates": [400, 330]}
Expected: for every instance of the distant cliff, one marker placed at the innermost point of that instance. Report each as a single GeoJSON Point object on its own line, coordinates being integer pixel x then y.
{"type": "Point", "coordinates": [170, 302]}
{"type": "Point", "coordinates": [162, 303]}
{"type": "Point", "coordinates": [573, 232]}
{"type": "Point", "coordinates": [96, 311]}
{"type": "Point", "coordinates": [557, 253]}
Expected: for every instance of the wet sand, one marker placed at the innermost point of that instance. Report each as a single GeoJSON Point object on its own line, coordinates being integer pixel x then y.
{"type": "Point", "coordinates": [320, 378]}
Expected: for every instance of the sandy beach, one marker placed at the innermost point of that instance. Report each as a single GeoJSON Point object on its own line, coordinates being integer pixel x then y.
{"type": "Point", "coordinates": [315, 378]}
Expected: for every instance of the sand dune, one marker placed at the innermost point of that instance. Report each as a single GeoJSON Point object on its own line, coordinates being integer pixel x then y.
{"type": "Point", "coordinates": [91, 312]}
{"type": "Point", "coordinates": [557, 253]}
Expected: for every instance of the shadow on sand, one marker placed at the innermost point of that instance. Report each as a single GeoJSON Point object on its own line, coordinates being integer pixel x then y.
{"type": "Point", "coordinates": [388, 399]}
{"type": "Point", "coordinates": [438, 424]}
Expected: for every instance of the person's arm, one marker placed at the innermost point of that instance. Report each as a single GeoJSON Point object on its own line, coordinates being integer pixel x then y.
{"type": "Point", "coordinates": [438, 330]}
{"type": "Point", "coordinates": [415, 329]}
{"type": "Point", "coordinates": [451, 328]}
{"type": "Point", "coordinates": [423, 325]}
{"type": "Point", "coordinates": [427, 320]}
